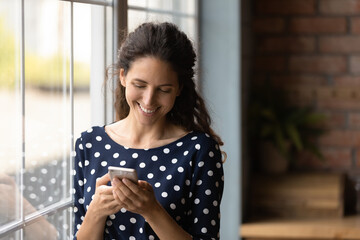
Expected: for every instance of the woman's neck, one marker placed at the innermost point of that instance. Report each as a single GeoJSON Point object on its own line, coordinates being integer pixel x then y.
{"type": "Point", "coordinates": [130, 134]}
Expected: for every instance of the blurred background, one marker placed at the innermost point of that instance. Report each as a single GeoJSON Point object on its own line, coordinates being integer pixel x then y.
{"type": "Point", "coordinates": [281, 79]}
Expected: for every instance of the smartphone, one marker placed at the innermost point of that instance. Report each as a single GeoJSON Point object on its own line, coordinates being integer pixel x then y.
{"type": "Point", "coordinates": [121, 173]}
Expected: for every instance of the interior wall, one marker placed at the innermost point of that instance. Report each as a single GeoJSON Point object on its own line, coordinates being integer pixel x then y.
{"type": "Point", "coordinates": [220, 85]}
{"type": "Point", "coordinates": [311, 49]}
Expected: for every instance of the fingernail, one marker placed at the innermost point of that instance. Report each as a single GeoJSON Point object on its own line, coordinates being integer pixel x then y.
{"type": "Point", "coordinates": [115, 181]}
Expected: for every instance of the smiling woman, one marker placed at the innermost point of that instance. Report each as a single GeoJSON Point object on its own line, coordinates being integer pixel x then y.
{"type": "Point", "coordinates": [151, 89]}
{"type": "Point", "coordinates": [164, 133]}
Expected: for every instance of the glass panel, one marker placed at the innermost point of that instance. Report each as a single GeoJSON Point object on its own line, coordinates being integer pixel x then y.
{"type": "Point", "coordinates": [47, 102]}
{"type": "Point", "coordinates": [12, 236]}
{"type": "Point", "coordinates": [109, 60]}
{"type": "Point", "coordinates": [51, 227]}
{"type": "Point", "coordinates": [10, 109]}
{"type": "Point", "coordinates": [82, 60]}
{"type": "Point", "coordinates": [186, 24]}
{"type": "Point", "coordinates": [187, 6]}
{"type": "Point", "coordinates": [135, 18]}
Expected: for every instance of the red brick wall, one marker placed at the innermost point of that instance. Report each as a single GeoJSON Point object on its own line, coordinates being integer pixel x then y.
{"type": "Point", "coordinates": [312, 49]}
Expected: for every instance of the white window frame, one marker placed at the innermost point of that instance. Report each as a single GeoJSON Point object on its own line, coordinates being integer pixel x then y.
{"type": "Point", "coordinates": [102, 97]}
{"type": "Point", "coordinates": [105, 109]}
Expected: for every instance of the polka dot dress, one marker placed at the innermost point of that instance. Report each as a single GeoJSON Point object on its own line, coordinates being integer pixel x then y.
{"type": "Point", "coordinates": [187, 177]}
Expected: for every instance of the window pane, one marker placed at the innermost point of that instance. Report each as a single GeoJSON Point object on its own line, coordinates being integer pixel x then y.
{"type": "Point", "coordinates": [47, 102]}
{"type": "Point", "coordinates": [187, 6]}
{"type": "Point", "coordinates": [51, 227]}
{"type": "Point", "coordinates": [12, 236]}
{"type": "Point", "coordinates": [186, 24]}
{"type": "Point", "coordinates": [10, 108]}
{"type": "Point", "coordinates": [82, 60]}
{"type": "Point", "coordinates": [110, 53]}
{"type": "Point", "coordinates": [135, 18]}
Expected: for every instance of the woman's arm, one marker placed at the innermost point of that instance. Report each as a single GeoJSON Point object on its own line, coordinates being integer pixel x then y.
{"type": "Point", "coordinates": [164, 225]}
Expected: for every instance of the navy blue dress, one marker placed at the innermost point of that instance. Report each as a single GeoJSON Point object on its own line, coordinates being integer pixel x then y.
{"type": "Point", "coordinates": [186, 175]}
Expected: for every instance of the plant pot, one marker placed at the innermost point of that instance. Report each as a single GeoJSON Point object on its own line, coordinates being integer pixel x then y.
{"type": "Point", "coordinates": [271, 160]}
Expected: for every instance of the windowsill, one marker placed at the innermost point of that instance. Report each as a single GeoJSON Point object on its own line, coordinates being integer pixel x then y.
{"type": "Point", "coordinates": [330, 228]}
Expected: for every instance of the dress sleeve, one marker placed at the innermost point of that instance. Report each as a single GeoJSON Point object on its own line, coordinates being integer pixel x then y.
{"type": "Point", "coordinates": [206, 192]}
{"type": "Point", "coordinates": [78, 182]}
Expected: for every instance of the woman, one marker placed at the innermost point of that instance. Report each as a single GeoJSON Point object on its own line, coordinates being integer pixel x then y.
{"type": "Point", "coordinates": [164, 133]}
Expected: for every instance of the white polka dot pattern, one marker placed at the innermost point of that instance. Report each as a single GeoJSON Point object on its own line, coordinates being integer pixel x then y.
{"type": "Point", "coordinates": [186, 175]}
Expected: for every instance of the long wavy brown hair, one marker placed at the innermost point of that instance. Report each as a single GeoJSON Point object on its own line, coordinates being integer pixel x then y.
{"type": "Point", "coordinates": [166, 42]}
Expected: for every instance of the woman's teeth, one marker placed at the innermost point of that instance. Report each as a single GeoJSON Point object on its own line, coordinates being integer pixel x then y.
{"type": "Point", "coordinates": [146, 110]}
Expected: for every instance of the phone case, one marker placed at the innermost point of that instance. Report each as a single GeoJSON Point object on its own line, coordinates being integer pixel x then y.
{"type": "Point", "coordinates": [121, 173]}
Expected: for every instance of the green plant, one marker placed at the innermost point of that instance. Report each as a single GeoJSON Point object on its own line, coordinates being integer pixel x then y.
{"type": "Point", "coordinates": [291, 129]}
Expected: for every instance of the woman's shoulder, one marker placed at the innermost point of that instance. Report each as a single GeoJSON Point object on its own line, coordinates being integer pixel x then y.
{"type": "Point", "coordinates": [201, 137]}
{"type": "Point", "coordinates": [92, 132]}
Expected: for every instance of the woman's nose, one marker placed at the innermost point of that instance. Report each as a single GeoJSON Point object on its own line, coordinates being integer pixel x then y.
{"type": "Point", "coordinates": [149, 96]}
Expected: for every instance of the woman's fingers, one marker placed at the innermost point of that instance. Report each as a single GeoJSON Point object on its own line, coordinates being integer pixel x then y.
{"type": "Point", "coordinates": [137, 198]}
{"type": "Point", "coordinates": [103, 180]}
{"type": "Point", "coordinates": [104, 200]}
{"type": "Point", "coordinates": [145, 185]}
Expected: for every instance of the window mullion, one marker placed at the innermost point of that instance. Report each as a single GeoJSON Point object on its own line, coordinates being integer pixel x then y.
{"type": "Point", "coordinates": [71, 93]}
{"type": "Point", "coordinates": [93, 2]}
{"type": "Point", "coordinates": [22, 90]}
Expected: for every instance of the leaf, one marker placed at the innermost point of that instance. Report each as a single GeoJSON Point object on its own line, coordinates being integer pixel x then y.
{"type": "Point", "coordinates": [294, 136]}
{"type": "Point", "coordinates": [280, 141]}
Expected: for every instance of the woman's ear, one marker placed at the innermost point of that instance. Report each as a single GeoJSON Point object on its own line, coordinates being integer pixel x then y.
{"type": "Point", "coordinates": [122, 77]}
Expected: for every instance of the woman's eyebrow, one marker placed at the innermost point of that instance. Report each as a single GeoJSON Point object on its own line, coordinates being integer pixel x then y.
{"type": "Point", "coordinates": [144, 82]}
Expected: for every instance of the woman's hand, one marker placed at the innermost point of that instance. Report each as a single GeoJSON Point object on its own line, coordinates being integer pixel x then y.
{"type": "Point", "coordinates": [138, 198]}
{"type": "Point", "coordinates": [103, 203]}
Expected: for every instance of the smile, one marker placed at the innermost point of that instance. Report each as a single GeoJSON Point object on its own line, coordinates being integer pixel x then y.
{"type": "Point", "coordinates": [148, 111]}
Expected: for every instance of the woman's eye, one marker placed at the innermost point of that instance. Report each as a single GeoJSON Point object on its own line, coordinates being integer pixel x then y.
{"type": "Point", "coordinates": [139, 86]}
{"type": "Point", "coordinates": [165, 90]}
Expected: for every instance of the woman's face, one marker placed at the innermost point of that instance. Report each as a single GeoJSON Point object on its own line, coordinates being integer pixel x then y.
{"type": "Point", "coordinates": [151, 89]}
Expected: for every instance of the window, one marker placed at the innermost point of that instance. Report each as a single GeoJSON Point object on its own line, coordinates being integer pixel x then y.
{"type": "Point", "coordinates": [182, 13]}
{"type": "Point", "coordinates": [53, 56]}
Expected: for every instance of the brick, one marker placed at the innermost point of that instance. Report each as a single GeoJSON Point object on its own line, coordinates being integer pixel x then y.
{"type": "Point", "coordinates": [268, 25]}
{"type": "Point", "coordinates": [318, 25]}
{"type": "Point", "coordinates": [299, 99]}
{"type": "Point", "coordinates": [347, 81]}
{"type": "Point", "coordinates": [354, 120]}
{"type": "Point", "coordinates": [299, 79]}
{"type": "Point", "coordinates": [355, 64]}
{"type": "Point", "coordinates": [341, 138]}
{"type": "Point", "coordinates": [337, 93]}
{"type": "Point", "coordinates": [335, 119]}
{"type": "Point", "coordinates": [285, 7]}
{"type": "Point", "coordinates": [334, 158]}
{"type": "Point", "coordinates": [339, 44]}
{"type": "Point", "coordinates": [270, 63]}
{"type": "Point", "coordinates": [336, 104]}
{"type": "Point", "coordinates": [287, 44]}
{"type": "Point", "coordinates": [340, 7]}
{"type": "Point", "coordinates": [318, 64]}
{"type": "Point", "coordinates": [355, 25]}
